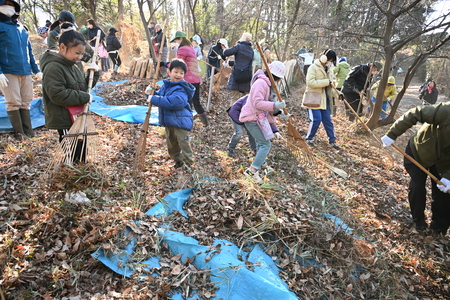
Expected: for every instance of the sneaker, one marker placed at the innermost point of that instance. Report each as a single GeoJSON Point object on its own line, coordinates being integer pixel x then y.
{"type": "Point", "coordinates": [253, 175]}
{"type": "Point", "coordinates": [230, 153]}
{"type": "Point", "coordinates": [178, 164]}
{"type": "Point", "coordinates": [335, 145]}
{"type": "Point", "coordinates": [310, 143]}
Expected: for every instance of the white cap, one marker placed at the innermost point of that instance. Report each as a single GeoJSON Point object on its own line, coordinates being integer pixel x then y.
{"type": "Point", "coordinates": [224, 42]}
{"type": "Point", "coordinates": [277, 68]}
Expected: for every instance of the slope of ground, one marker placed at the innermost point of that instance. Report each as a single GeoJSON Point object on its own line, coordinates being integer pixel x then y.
{"type": "Point", "coordinates": [46, 242]}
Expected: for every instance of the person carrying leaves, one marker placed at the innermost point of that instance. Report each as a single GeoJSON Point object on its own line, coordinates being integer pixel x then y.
{"type": "Point", "coordinates": [430, 146]}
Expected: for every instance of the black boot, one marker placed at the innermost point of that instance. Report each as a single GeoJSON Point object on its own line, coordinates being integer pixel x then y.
{"type": "Point", "coordinates": [204, 119]}
{"type": "Point", "coordinates": [26, 122]}
{"type": "Point", "coordinates": [16, 122]}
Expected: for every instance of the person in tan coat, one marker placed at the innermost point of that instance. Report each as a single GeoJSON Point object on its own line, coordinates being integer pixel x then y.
{"type": "Point", "coordinates": [319, 80]}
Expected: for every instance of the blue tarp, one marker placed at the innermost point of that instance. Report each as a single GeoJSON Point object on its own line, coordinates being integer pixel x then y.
{"type": "Point", "coordinates": [125, 113]}
{"type": "Point", "coordinates": [227, 266]}
{"type": "Point", "coordinates": [36, 113]}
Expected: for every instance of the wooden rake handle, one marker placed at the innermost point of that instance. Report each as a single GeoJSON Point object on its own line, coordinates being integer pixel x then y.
{"type": "Point", "coordinates": [91, 73]}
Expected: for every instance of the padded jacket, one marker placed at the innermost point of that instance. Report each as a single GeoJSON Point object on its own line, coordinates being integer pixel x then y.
{"type": "Point", "coordinates": [187, 53]}
{"type": "Point", "coordinates": [173, 102]}
{"type": "Point", "coordinates": [318, 80]}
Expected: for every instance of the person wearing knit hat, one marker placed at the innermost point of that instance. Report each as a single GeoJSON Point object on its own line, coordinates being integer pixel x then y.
{"type": "Point", "coordinates": [356, 84]}
{"type": "Point", "coordinates": [319, 81]}
{"type": "Point", "coordinates": [343, 59]}
{"type": "Point", "coordinates": [341, 71]}
{"type": "Point", "coordinates": [243, 57]}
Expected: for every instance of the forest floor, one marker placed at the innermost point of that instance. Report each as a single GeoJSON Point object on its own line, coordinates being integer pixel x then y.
{"type": "Point", "coordinates": [46, 242]}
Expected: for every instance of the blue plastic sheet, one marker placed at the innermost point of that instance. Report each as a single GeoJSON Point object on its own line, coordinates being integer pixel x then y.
{"type": "Point", "coordinates": [227, 266]}
{"type": "Point", "coordinates": [36, 114]}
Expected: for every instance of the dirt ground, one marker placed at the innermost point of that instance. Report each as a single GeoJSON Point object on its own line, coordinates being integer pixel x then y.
{"type": "Point", "coordinates": [46, 243]}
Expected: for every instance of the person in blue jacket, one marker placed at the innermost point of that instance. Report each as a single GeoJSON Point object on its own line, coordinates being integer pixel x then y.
{"type": "Point", "coordinates": [175, 113]}
{"type": "Point", "coordinates": [16, 66]}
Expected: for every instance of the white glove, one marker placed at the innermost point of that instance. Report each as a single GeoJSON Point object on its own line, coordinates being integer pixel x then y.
{"type": "Point", "coordinates": [91, 97]}
{"type": "Point", "coordinates": [225, 64]}
{"type": "Point", "coordinates": [220, 57]}
{"type": "Point", "coordinates": [284, 116]}
{"type": "Point", "coordinates": [199, 58]}
{"type": "Point", "coordinates": [148, 90]}
{"type": "Point", "coordinates": [387, 141]}
{"type": "Point", "coordinates": [93, 66]}
{"type": "Point", "coordinates": [3, 81]}
{"type": "Point", "coordinates": [39, 75]}
{"type": "Point", "coordinates": [278, 135]}
{"type": "Point", "coordinates": [445, 186]}
{"type": "Point", "coordinates": [280, 104]}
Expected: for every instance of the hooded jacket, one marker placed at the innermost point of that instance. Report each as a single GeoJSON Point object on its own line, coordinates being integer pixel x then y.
{"type": "Point", "coordinates": [341, 71]}
{"type": "Point", "coordinates": [16, 53]}
{"type": "Point", "coordinates": [63, 84]}
{"type": "Point", "coordinates": [258, 100]}
{"type": "Point", "coordinates": [357, 79]}
{"type": "Point", "coordinates": [431, 144]}
{"type": "Point", "coordinates": [112, 43]}
{"type": "Point", "coordinates": [391, 90]}
{"type": "Point", "coordinates": [173, 103]}
{"type": "Point", "coordinates": [187, 53]}
{"type": "Point", "coordinates": [429, 97]}
{"type": "Point", "coordinates": [318, 80]}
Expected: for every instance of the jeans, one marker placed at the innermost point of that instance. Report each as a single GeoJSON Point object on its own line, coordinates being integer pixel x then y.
{"type": "Point", "coordinates": [383, 108]}
{"type": "Point", "coordinates": [318, 116]}
{"type": "Point", "coordinates": [262, 145]}
{"type": "Point", "coordinates": [238, 133]}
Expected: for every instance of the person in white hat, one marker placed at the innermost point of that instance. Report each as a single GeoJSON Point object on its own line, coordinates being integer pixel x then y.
{"type": "Point", "coordinates": [215, 54]}
{"type": "Point", "coordinates": [261, 106]}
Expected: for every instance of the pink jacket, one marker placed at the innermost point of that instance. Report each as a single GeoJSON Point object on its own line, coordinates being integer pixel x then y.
{"type": "Point", "coordinates": [258, 99]}
{"type": "Point", "coordinates": [187, 54]}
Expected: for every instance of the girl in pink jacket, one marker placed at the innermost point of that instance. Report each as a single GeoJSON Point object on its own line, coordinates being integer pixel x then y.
{"type": "Point", "coordinates": [187, 53]}
{"type": "Point", "coordinates": [258, 103]}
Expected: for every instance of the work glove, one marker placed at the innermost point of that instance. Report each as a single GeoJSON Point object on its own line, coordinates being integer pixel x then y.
{"type": "Point", "coordinates": [39, 75]}
{"type": "Point", "coordinates": [285, 117]}
{"type": "Point", "coordinates": [93, 66]}
{"type": "Point", "coordinates": [445, 186]}
{"type": "Point", "coordinates": [220, 57]}
{"type": "Point", "coordinates": [387, 141]}
{"type": "Point", "coordinates": [199, 58]}
{"type": "Point", "coordinates": [280, 104]}
{"type": "Point", "coordinates": [278, 135]}
{"type": "Point", "coordinates": [3, 81]}
{"type": "Point", "coordinates": [225, 64]}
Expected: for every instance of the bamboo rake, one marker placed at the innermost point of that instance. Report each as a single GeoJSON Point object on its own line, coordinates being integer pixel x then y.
{"type": "Point", "coordinates": [142, 142]}
{"type": "Point", "coordinates": [76, 146]}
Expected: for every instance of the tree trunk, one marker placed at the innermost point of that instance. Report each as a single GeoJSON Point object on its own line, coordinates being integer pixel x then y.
{"type": "Point", "coordinates": [290, 30]}
{"type": "Point", "coordinates": [120, 10]}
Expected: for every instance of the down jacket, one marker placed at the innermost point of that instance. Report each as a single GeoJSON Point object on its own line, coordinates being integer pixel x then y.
{"type": "Point", "coordinates": [357, 79]}
{"type": "Point", "coordinates": [258, 100]}
{"type": "Point", "coordinates": [63, 84]}
{"type": "Point", "coordinates": [243, 57]}
{"type": "Point", "coordinates": [318, 80]}
{"type": "Point", "coordinates": [187, 53]}
{"type": "Point", "coordinates": [430, 145]}
{"type": "Point", "coordinates": [341, 71]}
{"type": "Point", "coordinates": [173, 103]}
{"type": "Point", "coordinates": [112, 42]}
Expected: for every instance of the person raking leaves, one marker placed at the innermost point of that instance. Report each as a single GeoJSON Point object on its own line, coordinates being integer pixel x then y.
{"type": "Point", "coordinates": [430, 146]}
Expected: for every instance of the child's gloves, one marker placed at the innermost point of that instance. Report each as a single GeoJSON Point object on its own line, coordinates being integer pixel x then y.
{"type": "Point", "coordinates": [280, 104]}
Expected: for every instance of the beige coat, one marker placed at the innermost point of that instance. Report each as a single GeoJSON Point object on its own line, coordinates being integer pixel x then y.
{"type": "Point", "coordinates": [317, 80]}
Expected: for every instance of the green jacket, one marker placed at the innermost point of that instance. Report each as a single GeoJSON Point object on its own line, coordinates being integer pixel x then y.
{"type": "Point", "coordinates": [431, 143]}
{"type": "Point", "coordinates": [341, 71]}
{"type": "Point", "coordinates": [63, 84]}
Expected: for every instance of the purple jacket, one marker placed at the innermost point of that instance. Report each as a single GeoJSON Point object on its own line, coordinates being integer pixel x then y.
{"type": "Point", "coordinates": [258, 99]}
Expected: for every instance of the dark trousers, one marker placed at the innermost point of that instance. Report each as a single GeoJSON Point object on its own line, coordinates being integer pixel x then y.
{"type": "Point", "coordinates": [440, 207]}
{"type": "Point", "coordinates": [353, 99]}
{"type": "Point", "coordinates": [115, 58]}
{"type": "Point", "coordinates": [195, 101]}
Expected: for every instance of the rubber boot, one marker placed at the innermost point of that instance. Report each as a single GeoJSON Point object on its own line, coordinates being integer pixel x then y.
{"type": "Point", "coordinates": [116, 67]}
{"type": "Point", "coordinates": [26, 122]}
{"type": "Point", "coordinates": [16, 122]}
{"type": "Point", "coordinates": [204, 119]}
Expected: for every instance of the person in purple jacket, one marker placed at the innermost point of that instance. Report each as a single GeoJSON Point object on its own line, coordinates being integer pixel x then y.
{"type": "Point", "coordinates": [234, 112]}
{"type": "Point", "coordinates": [258, 103]}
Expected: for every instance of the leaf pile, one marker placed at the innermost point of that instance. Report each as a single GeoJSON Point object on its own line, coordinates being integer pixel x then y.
{"type": "Point", "coordinates": [46, 242]}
